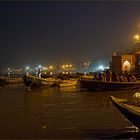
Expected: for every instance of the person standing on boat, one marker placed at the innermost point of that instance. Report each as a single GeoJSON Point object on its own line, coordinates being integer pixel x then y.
{"type": "Point", "coordinates": [114, 76]}
{"type": "Point", "coordinates": [104, 76]}
{"type": "Point", "coordinates": [108, 75]}
{"type": "Point", "coordinates": [96, 76]}
{"type": "Point", "coordinates": [100, 75]}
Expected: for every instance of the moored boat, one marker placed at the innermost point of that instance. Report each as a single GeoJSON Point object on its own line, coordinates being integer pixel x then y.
{"type": "Point", "coordinates": [68, 83]}
{"type": "Point", "coordinates": [130, 109]}
{"type": "Point", "coordinates": [33, 81]}
{"type": "Point", "coordinates": [97, 85]}
{"type": "Point", "coordinates": [9, 80]}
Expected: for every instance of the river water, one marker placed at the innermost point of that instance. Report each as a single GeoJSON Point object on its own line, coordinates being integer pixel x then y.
{"type": "Point", "coordinates": [64, 113]}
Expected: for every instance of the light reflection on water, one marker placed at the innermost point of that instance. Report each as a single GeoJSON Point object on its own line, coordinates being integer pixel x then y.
{"type": "Point", "coordinates": [61, 113]}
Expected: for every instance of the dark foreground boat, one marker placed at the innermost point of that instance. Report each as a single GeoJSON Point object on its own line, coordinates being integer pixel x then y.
{"type": "Point", "coordinates": [95, 85]}
{"type": "Point", "coordinates": [129, 110]}
{"type": "Point", "coordinates": [33, 81]}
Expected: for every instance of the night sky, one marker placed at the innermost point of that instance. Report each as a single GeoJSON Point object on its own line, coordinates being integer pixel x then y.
{"type": "Point", "coordinates": [35, 32]}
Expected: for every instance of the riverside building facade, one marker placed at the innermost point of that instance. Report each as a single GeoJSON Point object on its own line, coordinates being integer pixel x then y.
{"type": "Point", "coordinates": [126, 62]}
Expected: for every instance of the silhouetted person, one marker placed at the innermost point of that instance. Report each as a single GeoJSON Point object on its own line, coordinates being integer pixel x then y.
{"type": "Point", "coordinates": [108, 75]}
{"type": "Point", "coordinates": [114, 76]}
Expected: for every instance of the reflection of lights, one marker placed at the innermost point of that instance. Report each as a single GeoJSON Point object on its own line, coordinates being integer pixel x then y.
{"type": "Point", "coordinates": [132, 128]}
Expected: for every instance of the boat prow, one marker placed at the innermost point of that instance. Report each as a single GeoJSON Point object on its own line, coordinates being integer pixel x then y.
{"type": "Point", "coordinates": [117, 100]}
{"type": "Point", "coordinates": [130, 111]}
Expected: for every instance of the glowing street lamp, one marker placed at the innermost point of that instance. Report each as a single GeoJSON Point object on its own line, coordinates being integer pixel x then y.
{"type": "Point", "coordinates": [137, 37]}
{"type": "Point", "coordinates": [101, 68]}
{"type": "Point", "coordinates": [27, 70]}
{"type": "Point", "coordinates": [50, 67]}
{"type": "Point", "coordinates": [39, 70]}
{"type": "Point", "coordinates": [9, 70]}
{"type": "Point", "coordinates": [63, 66]}
{"type": "Point", "coordinates": [40, 66]}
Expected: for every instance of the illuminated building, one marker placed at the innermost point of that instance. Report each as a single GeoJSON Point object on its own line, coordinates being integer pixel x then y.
{"type": "Point", "coordinates": [126, 62]}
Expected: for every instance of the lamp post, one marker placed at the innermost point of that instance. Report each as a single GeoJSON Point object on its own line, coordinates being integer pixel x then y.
{"type": "Point", "coordinates": [136, 41]}
{"type": "Point", "coordinates": [67, 69]}
{"type": "Point", "coordinates": [39, 70]}
{"type": "Point", "coordinates": [136, 37]}
{"type": "Point", "coordinates": [86, 66]}
{"type": "Point", "coordinates": [51, 69]}
{"type": "Point", "coordinates": [9, 72]}
{"type": "Point", "coordinates": [27, 70]}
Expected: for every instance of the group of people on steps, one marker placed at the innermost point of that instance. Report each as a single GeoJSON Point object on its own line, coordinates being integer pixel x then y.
{"type": "Point", "coordinates": [113, 76]}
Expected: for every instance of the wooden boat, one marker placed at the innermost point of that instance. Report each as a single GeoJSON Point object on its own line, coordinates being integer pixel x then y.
{"type": "Point", "coordinates": [8, 80]}
{"type": "Point", "coordinates": [128, 109]}
{"type": "Point", "coordinates": [33, 81]}
{"type": "Point", "coordinates": [96, 85]}
{"type": "Point", "coordinates": [68, 83]}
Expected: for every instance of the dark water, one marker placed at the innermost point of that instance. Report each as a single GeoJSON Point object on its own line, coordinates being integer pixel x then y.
{"type": "Point", "coordinates": [65, 113]}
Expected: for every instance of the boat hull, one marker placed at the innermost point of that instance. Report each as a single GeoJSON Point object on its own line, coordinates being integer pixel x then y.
{"type": "Point", "coordinates": [131, 112]}
{"type": "Point", "coordinates": [35, 82]}
{"type": "Point", "coordinates": [7, 80]}
{"type": "Point", "coordinates": [68, 83]}
{"type": "Point", "coordinates": [107, 85]}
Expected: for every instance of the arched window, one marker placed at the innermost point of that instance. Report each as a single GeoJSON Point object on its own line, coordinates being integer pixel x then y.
{"type": "Point", "coordinates": [126, 66]}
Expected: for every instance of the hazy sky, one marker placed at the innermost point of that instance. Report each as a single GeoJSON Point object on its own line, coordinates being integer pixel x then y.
{"type": "Point", "coordinates": [61, 32]}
